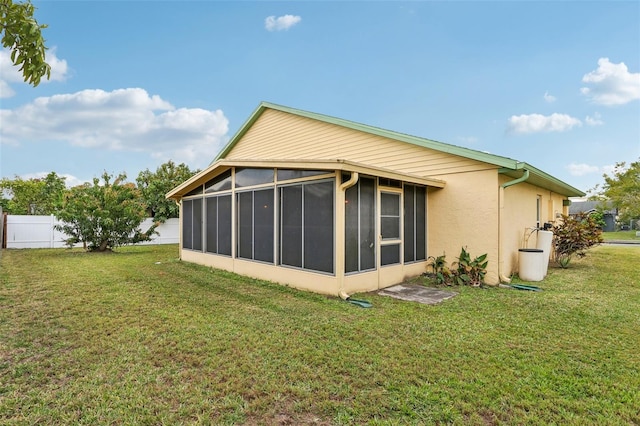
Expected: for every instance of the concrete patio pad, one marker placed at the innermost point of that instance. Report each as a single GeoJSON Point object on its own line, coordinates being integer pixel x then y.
{"type": "Point", "coordinates": [417, 293]}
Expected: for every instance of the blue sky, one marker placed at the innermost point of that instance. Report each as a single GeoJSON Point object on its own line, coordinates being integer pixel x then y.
{"type": "Point", "coordinates": [134, 84]}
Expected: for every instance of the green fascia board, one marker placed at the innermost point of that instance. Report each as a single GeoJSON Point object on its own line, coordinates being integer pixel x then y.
{"type": "Point", "coordinates": [504, 163]}
{"type": "Point", "coordinates": [544, 180]}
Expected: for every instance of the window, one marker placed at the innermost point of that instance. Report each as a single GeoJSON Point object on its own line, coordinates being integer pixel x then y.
{"type": "Point", "coordinates": [307, 226]}
{"type": "Point", "coordinates": [538, 211]}
{"type": "Point", "coordinates": [390, 216]}
{"type": "Point", "coordinates": [414, 223]}
{"type": "Point", "coordinates": [391, 183]}
{"type": "Point", "coordinates": [251, 177]}
{"type": "Point", "coordinates": [219, 183]}
{"type": "Point", "coordinates": [192, 224]}
{"type": "Point", "coordinates": [286, 174]}
{"type": "Point", "coordinates": [360, 226]}
{"type": "Point", "coordinates": [218, 211]}
{"type": "Point", "coordinates": [195, 191]}
{"type": "Point", "coordinates": [390, 254]}
{"type": "Point", "coordinates": [255, 225]}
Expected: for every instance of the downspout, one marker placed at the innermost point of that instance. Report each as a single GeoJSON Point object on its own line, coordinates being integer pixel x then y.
{"type": "Point", "coordinates": [180, 218]}
{"type": "Point", "coordinates": [343, 187]}
{"type": "Point", "coordinates": [501, 276]}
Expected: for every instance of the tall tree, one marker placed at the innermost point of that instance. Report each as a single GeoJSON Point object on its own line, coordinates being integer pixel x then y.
{"type": "Point", "coordinates": [22, 35]}
{"type": "Point", "coordinates": [622, 189]}
{"type": "Point", "coordinates": [32, 196]}
{"type": "Point", "coordinates": [104, 215]}
{"type": "Point", "coordinates": [155, 185]}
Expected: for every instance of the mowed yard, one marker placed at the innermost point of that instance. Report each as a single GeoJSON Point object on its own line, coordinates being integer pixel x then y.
{"type": "Point", "coordinates": [139, 337]}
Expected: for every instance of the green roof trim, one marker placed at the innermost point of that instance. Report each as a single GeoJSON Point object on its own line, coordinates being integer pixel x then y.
{"type": "Point", "coordinates": [507, 165]}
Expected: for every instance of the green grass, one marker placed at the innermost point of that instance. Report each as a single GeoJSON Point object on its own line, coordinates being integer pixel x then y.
{"type": "Point", "coordinates": [620, 235]}
{"type": "Point", "coordinates": [138, 337]}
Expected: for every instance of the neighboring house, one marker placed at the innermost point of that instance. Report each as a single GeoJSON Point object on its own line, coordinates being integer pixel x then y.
{"type": "Point", "coordinates": [609, 215]}
{"type": "Point", "coordinates": [337, 207]}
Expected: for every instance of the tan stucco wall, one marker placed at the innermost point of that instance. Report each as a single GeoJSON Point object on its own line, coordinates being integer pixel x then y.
{"type": "Point", "coordinates": [519, 216]}
{"type": "Point", "coordinates": [303, 280]}
{"type": "Point", "coordinates": [465, 214]}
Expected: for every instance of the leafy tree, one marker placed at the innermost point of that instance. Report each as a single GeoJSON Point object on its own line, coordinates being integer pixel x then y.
{"type": "Point", "coordinates": [155, 185]}
{"type": "Point", "coordinates": [573, 235]}
{"type": "Point", "coordinates": [22, 34]}
{"type": "Point", "coordinates": [622, 189]}
{"type": "Point", "coordinates": [32, 196]}
{"type": "Point", "coordinates": [104, 215]}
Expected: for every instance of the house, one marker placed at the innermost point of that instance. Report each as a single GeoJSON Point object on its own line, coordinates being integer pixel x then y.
{"type": "Point", "coordinates": [337, 207]}
{"type": "Point", "coordinates": [609, 212]}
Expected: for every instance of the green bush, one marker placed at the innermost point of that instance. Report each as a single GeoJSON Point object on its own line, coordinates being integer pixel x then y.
{"type": "Point", "coordinates": [466, 271]}
{"type": "Point", "coordinates": [574, 235]}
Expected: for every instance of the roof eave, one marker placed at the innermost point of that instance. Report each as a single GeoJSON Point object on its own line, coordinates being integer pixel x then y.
{"type": "Point", "coordinates": [544, 180]}
{"type": "Point", "coordinates": [329, 165]}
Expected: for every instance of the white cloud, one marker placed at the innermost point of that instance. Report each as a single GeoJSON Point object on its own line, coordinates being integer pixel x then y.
{"type": "Point", "coordinates": [124, 119]}
{"type": "Point", "coordinates": [549, 98]}
{"type": "Point", "coordinates": [70, 180]}
{"type": "Point", "coordinates": [535, 123]}
{"type": "Point", "coordinates": [611, 84]}
{"type": "Point", "coordinates": [271, 23]}
{"type": "Point", "coordinates": [596, 120]}
{"type": "Point", "coordinates": [468, 139]}
{"type": "Point", "coordinates": [10, 74]}
{"type": "Point", "coordinates": [586, 169]}
{"type": "Point", "coordinates": [582, 169]}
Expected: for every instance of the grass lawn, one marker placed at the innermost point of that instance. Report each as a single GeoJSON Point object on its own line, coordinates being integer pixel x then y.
{"type": "Point", "coordinates": [620, 235]}
{"type": "Point", "coordinates": [138, 337]}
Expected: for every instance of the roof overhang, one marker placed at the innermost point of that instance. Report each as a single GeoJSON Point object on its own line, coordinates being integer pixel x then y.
{"type": "Point", "coordinates": [221, 166]}
{"type": "Point", "coordinates": [541, 179]}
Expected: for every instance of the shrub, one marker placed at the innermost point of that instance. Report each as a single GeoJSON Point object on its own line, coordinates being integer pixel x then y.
{"type": "Point", "coordinates": [104, 215]}
{"type": "Point", "coordinates": [574, 235]}
{"type": "Point", "coordinates": [465, 271]}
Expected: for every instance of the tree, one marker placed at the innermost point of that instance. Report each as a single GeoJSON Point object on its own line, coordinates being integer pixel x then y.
{"type": "Point", "coordinates": [574, 235]}
{"type": "Point", "coordinates": [622, 189]}
{"type": "Point", "coordinates": [33, 196]}
{"type": "Point", "coordinates": [155, 185]}
{"type": "Point", "coordinates": [22, 34]}
{"type": "Point", "coordinates": [104, 215]}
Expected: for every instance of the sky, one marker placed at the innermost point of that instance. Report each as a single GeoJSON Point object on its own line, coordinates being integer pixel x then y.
{"type": "Point", "coordinates": [137, 83]}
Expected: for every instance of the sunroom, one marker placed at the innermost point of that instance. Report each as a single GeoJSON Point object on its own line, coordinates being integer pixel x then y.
{"type": "Point", "coordinates": [331, 226]}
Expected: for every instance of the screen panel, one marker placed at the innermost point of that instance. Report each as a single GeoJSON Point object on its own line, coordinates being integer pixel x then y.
{"type": "Point", "coordinates": [212, 224]}
{"type": "Point", "coordinates": [291, 225]}
{"type": "Point", "coordinates": [318, 226]}
{"type": "Point", "coordinates": [224, 225]}
{"type": "Point", "coordinates": [245, 225]}
{"type": "Point", "coordinates": [187, 221]}
{"type": "Point", "coordinates": [263, 225]}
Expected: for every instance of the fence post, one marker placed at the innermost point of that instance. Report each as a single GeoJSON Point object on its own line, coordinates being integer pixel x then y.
{"type": "Point", "coordinates": [52, 232]}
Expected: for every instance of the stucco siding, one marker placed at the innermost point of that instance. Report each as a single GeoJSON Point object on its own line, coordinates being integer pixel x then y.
{"type": "Point", "coordinates": [465, 214]}
{"type": "Point", "coordinates": [519, 218]}
{"type": "Point", "coordinates": [277, 135]}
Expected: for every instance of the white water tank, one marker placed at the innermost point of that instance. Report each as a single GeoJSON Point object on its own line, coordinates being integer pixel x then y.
{"type": "Point", "coordinates": [545, 238]}
{"type": "Point", "coordinates": [531, 264]}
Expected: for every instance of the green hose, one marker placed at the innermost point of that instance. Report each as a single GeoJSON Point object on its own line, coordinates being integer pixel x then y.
{"type": "Point", "coordinates": [361, 303]}
{"type": "Point", "coordinates": [525, 287]}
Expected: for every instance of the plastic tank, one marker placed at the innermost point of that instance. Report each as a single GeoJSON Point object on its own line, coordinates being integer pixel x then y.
{"type": "Point", "coordinates": [531, 264]}
{"type": "Point", "coordinates": [545, 238]}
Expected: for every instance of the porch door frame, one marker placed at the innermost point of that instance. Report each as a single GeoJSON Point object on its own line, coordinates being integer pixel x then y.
{"type": "Point", "coordinates": [394, 272]}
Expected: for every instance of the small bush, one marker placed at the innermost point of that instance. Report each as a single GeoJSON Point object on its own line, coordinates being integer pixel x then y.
{"type": "Point", "coordinates": [574, 235]}
{"type": "Point", "coordinates": [465, 271]}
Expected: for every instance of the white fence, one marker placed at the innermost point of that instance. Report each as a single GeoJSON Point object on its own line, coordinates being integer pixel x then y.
{"type": "Point", "coordinates": [38, 232]}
